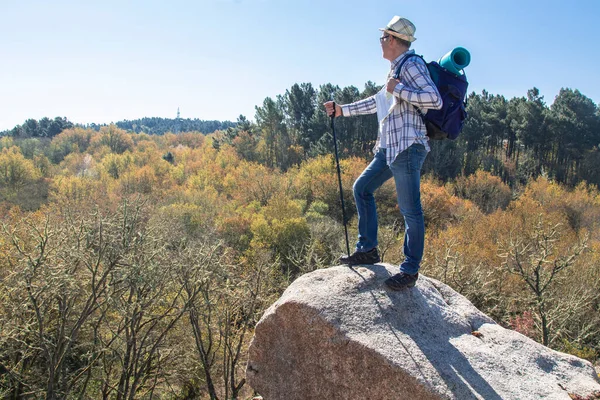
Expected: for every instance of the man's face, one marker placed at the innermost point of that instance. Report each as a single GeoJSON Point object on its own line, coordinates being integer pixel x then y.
{"type": "Point", "coordinates": [387, 43]}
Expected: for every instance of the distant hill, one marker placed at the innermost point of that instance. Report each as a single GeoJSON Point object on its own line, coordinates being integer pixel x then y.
{"type": "Point", "coordinates": [159, 126]}
{"type": "Point", "coordinates": [46, 127]}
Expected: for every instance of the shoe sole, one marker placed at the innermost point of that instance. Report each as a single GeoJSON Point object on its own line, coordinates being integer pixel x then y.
{"type": "Point", "coordinates": [351, 264]}
{"type": "Point", "coordinates": [397, 288]}
{"type": "Point", "coordinates": [364, 263]}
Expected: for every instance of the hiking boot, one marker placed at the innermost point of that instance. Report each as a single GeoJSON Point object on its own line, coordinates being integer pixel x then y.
{"type": "Point", "coordinates": [401, 280]}
{"type": "Point", "coordinates": [358, 258]}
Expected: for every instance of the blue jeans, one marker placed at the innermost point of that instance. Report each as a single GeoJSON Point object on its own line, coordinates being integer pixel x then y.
{"type": "Point", "coordinates": [406, 170]}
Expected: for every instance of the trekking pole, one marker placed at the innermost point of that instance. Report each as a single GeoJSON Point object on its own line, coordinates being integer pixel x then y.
{"type": "Point", "coordinates": [339, 174]}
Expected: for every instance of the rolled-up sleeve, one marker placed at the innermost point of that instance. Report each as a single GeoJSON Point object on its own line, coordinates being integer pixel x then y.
{"type": "Point", "coordinates": [361, 107]}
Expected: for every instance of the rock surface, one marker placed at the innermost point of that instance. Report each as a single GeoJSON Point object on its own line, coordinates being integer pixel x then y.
{"type": "Point", "coordinates": [337, 333]}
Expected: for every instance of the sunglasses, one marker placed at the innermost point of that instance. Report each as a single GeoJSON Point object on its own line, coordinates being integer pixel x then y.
{"type": "Point", "coordinates": [384, 38]}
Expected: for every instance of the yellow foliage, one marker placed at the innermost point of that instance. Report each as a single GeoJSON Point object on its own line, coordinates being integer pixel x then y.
{"type": "Point", "coordinates": [484, 189]}
{"type": "Point", "coordinates": [250, 181]}
{"type": "Point", "coordinates": [75, 188]}
{"type": "Point", "coordinates": [188, 214]}
{"type": "Point", "coordinates": [524, 213]}
{"type": "Point", "coordinates": [227, 157]}
{"type": "Point", "coordinates": [71, 141]}
{"type": "Point", "coordinates": [145, 179]}
{"type": "Point", "coordinates": [117, 140]}
{"type": "Point", "coordinates": [208, 199]}
{"type": "Point", "coordinates": [6, 142]}
{"type": "Point", "coordinates": [75, 136]}
{"type": "Point", "coordinates": [116, 164]}
{"type": "Point", "coordinates": [146, 152]}
{"type": "Point", "coordinates": [162, 170]}
{"type": "Point", "coordinates": [78, 164]}
{"type": "Point", "coordinates": [316, 180]}
{"type": "Point", "coordinates": [43, 164]}
{"type": "Point", "coordinates": [192, 140]}
{"type": "Point", "coordinates": [202, 179]}
{"type": "Point", "coordinates": [15, 170]}
{"type": "Point", "coordinates": [280, 227]}
{"type": "Point", "coordinates": [544, 191]}
{"type": "Point", "coordinates": [198, 212]}
{"type": "Point", "coordinates": [580, 351]}
{"type": "Point", "coordinates": [441, 208]}
{"type": "Point", "coordinates": [282, 208]}
{"type": "Point", "coordinates": [261, 150]}
{"type": "Point", "coordinates": [279, 235]}
{"type": "Point", "coordinates": [140, 138]}
{"type": "Point", "coordinates": [470, 238]}
{"type": "Point", "coordinates": [235, 230]}
{"type": "Point", "coordinates": [581, 205]}
{"type": "Point", "coordinates": [99, 151]}
{"type": "Point", "coordinates": [190, 162]}
{"type": "Point", "coordinates": [20, 182]}
{"type": "Point", "coordinates": [141, 180]}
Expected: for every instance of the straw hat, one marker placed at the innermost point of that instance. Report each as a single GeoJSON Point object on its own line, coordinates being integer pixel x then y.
{"type": "Point", "coordinates": [401, 28]}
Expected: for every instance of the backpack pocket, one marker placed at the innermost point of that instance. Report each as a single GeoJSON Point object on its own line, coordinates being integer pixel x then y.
{"type": "Point", "coordinates": [454, 112]}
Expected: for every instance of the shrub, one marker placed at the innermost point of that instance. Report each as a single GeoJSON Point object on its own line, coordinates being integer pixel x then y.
{"type": "Point", "coordinates": [487, 191]}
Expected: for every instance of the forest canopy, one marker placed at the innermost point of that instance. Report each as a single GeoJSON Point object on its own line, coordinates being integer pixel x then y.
{"type": "Point", "coordinates": [135, 265]}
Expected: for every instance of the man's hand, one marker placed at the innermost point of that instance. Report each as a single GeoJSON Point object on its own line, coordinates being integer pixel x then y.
{"type": "Point", "coordinates": [391, 85]}
{"type": "Point", "coordinates": [330, 110]}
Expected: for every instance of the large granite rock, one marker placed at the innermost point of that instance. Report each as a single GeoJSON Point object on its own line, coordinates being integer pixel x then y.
{"type": "Point", "coordinates": [337, 333]}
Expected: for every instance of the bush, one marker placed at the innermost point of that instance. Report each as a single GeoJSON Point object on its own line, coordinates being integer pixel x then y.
{"type": "Point", "coordinates": [483, 189]}
{"type": "Point", "coordinates": [441, 208]}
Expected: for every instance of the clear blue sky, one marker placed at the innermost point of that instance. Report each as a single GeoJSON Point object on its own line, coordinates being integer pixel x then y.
{"type": "Point", "coordinates": [102, 61]}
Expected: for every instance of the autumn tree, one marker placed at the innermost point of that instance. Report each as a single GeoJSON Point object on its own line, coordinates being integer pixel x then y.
{"type": "Point", "coordinates": [15, 170]}
{"type": "Point", "coordinates": [117, 140]}
{"type": "Point", "coordinates": [535, 254]}
{"type": "Point", "coordinates": [483, 189]}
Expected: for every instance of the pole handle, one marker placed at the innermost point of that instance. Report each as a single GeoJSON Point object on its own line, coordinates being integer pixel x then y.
{"type": "Point", "coordinates": [332, 115]}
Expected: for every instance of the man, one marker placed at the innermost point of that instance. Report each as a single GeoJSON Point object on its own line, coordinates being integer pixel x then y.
{"type": "Point", "coordinates": [400, 150]}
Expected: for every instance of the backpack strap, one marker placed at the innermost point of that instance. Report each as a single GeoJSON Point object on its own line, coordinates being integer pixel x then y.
{"type": "Point", "coordinates": [404, 60]}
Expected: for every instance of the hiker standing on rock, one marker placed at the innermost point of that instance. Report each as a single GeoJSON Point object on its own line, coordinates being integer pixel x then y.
{"type": "Point", "coordinates": [400, 150]}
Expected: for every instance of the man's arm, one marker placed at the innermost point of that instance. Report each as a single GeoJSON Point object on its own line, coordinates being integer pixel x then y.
{"type": "Point", "coordinates": [419, 89]}
{"type": "Point", "coordinates": [361, 107]}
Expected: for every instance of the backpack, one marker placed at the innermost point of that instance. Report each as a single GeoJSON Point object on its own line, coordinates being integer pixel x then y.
{"type": "Point", "coordinates": [447, 121]}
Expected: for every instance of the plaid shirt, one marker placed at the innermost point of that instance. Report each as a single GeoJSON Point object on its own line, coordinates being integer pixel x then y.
{"type": "Point", "coordinates": [402, 125]}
